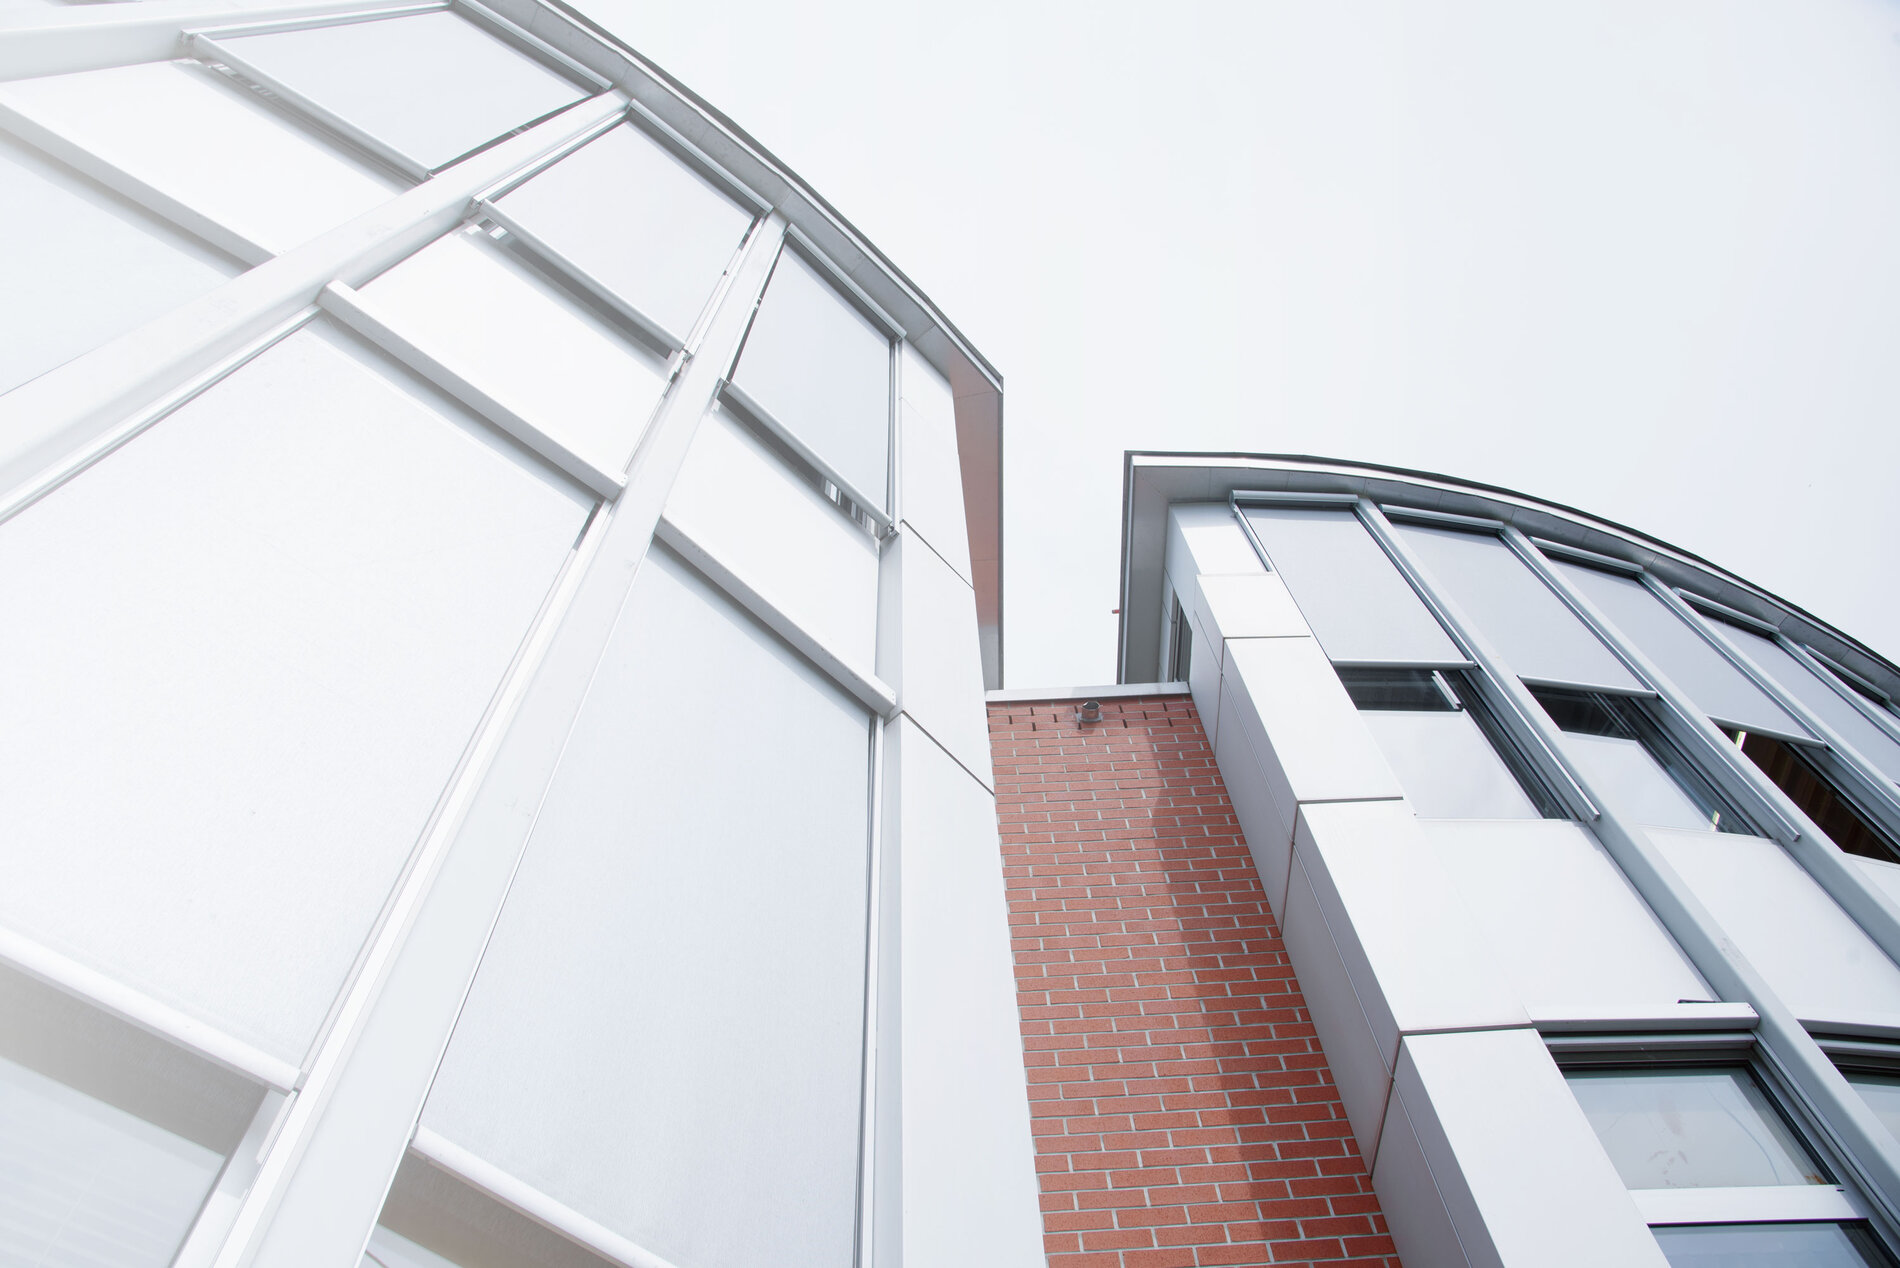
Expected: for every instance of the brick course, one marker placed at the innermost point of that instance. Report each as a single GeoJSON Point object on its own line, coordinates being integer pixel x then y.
{"type": "Point", "coordinates": [1182, 1108]}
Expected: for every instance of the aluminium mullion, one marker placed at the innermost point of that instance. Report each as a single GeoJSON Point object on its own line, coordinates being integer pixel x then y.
{"type": "Point", "coordinates": [207, 49]}
{"type": "Point", "coordinates": [350, 17]}
{"type": "Point", "coordinates": [865, 1251]}
{"type": "Point", "coordinates": [644, 327]}
{"type": "Point", "coordinates": [763, 417]}
{"type": "Point", "coordinates": [1520, 713]}
{"type": "Point", "coordinates": [1683, 721]}
{"type": "Point", "coordinates": [1855, 1134]}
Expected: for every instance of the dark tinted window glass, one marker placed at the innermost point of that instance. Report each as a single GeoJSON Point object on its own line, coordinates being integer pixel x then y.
{"type": "Point", "coordinates": [1797, 775]}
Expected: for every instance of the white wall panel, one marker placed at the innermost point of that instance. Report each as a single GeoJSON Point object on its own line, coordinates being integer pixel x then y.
{"type": "Point", "coordinates": [1561, 922]}
{"type": "Point", "coordinates": [1885, 875]}
{"type": "Point", "coordinates": [1414, 1210]}
{"type": "Point", "coordinates": [1208, 535]}
{"type": "Point", "coordinates": [1263, 804]}
{"type": "Point", "coordinates": [1302, 723]}
{"type": "Point", "coordinates": [1204, 670]}
{"type": "Point", "coordinates": [191, 134]}
{"type": "Point", "coordinates": [97, 268]}
{"type": "Point", "coordinates": [1817, 959]}
{"type": "Point", "coordinates": [932, 500]}
{"type": "Point", "coordinates": [498, 324]}
{"type": "Point", "coordinates": [1402, 930]}
{"type": "Point", "coordinates": [260, 636]}
{"type": "Point", "coordinates": [1526, 1187]}
{"type": "Point", "coordinates": [665, 1034]}
{"type": "Point", "coordinates": [788, 541]}
{"type": "Point", "coordinates": [968, 1161]}
{"type": "Point", "coordinates": [432, 85]}
{"type": "Point", "coordinates": [928, 651]}
{"type": "Point", "coordinates": [638, 220]}
{"type": "Point", "coordinates": [1240, 606]}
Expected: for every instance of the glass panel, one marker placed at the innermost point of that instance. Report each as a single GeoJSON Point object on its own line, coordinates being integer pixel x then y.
{"type": "Point", "coordinates": [823, 370]}
{"type": "Point", "coordinates": [431, 1219]}
{"type": "Point", "coordinates": [97, 267]}
{"type": "Point", "coordinates": [1717, 687]}
{"type": "Point", "coordinates": [1691, 1129]}
{"type": "Point", "coordinates": [665, 1034]}
{"type": "Point", "coordinates": [83, 1182]}
{"type": "Point", "coordinates": [432, 86]}
{"type": "Point", "coordinates": [1617, 750]}
{"type": "Point", "coordinates": [1861, 732]}
{"type": "Point", "coordinates": [1796, 773]}
{"type": "Point", "coordinates": [1359, 605]}
{"type": "Point", "coordinates": [196, 137]}
{"type": "Point", "coordinates": [1882, 1094]}
{"type": "Point", "coordinates": [1446, 761]}
{"type": "Point", "coordinates": [638, 220]}
{"type": "Point", "coordinates": [262, 634]}
{"type": "Point", "coordinates": [1769, 1246]}
{"type": "Point", "coordinates": [1529, 626]}
{"type": "Point", "coordinates": [476, 308]}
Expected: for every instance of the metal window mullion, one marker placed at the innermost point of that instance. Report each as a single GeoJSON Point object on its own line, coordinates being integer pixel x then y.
{"type": "Point", "coordinates": [323, 1181]}
{"type": "Point", "coordinates": [764, 419]}
{"type": "Point", "coordinates": [1865, 1146]}
{"type": "Point", "coordinates": [866, 1248]}
{"type": "Point", "coordinates": [50, 423]}
{"type": "Point", "coordinates": [1685, 722]}
{"type": "Point", "coordinates": [529, 44]}
{"type": "Point", "coordinates": [1522, 715]}
{"type": "Point", "coordinates": [64, 40]}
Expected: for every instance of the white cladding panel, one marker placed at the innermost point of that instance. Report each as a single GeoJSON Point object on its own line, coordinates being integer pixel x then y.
{"type": "Point", "coordinates": [932, 476]}
{"type": "Point", "coordinates": [1253, 605]}
{"type": "Point", "coordinates": [1513, 610]}
{"type": "Point", "coordinates": [1813, 955]}
{"type": "Point", "coordinates": [1447, 765]}
{"type": "Point", "coordinates": [1204, 538]}
{"type": "Point", "coordinates": [1263, 804]}
{"type": "Point", "coordinates": [1523, 1188]}
{"type": "Point", "coordinates": [1563, 924]}
{"type": "Point", "coordinates": [940, 675]}
{"type": "Point", "coordinates": [1718, 688]}
{"type": "Point", "coordinates": [194, 136]}
{"type": "Point", "coordinates": [1361, 607]}
{"type": "Point", "coordinates": [1302, 723]}
{"type": "Point", "coordinates": [500, 325]}
{"type": "Point", "coordinates": [262, 634]}
{"type": "Point", "coordinates": [665, 1034]}
{"type": "Point", "coordinates": [638, 220]}
{"type": "Point", "coordinates": [431, 85]}
{"type": "Point", "coordinates": [788, 541]}
{"type": "Point", "coordinates": [97, 266]}
{"type": "Point", "coordinates": [1860, 732]}
{"type": "Point", "coordinates": [969, 1164]}
{"type": "Point", "coordinates": [823, 371]}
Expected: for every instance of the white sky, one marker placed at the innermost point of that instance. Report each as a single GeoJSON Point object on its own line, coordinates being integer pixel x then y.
{"type": "Point", "coordinates": [1639, 258]}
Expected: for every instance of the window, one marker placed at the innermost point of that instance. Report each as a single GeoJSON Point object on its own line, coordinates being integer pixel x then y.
{"type": "Point", "coordinates": [1451, 756]}
{"type": "Point", "coordinates": [1821, 697]}
{"type": "Point", "coordinates": [1617, 744]}
{"type": "Point", "coordinates": [1762, 1195]}
{"type": "Point", "coordinates": [1180, 643]}
{"type": "Point", "coordinates": [1797, 770]}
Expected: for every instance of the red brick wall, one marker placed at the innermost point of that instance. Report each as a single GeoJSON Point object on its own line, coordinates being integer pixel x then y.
{"type": "Point", "coordinates": [1182, 1108]}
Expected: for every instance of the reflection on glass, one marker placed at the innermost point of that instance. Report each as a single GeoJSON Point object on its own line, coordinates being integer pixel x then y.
{"type": "Point", "coordinates": [1882, 1094]}
{"type": "Point", "coordinates": [1446, 761]}
{"type": "Point", "coordinates": [83, 1182]}
{"type": "Point", "coordinates": [1770, 1246]}
{"type": "Point", "coordinates": [1860, 732]}
{"type": "Point", "coordinates": [1621, 751]}
{"type": "Point", "coordinates": [1690, 1129]}
{"type": "Point", "coordinates": [1795, 771]}
{"type": "Point", "coordinates": [433, 86]}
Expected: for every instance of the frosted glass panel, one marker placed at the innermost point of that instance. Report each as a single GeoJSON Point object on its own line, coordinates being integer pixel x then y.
{"type": "Point", "coordinates": [260, 637]}
{"type": "Point", "coordinates": [83, 1183]}
{"type": "Point", "coordinates": [735, 498]}
{"type": "Point", "coordinates": [1686, 1129]}
{"type": "Point", "coordinates": [431, 85]}
{"type": "Point", "coordinates": [667, 1025]}
{"type": "Point", "coordinates": [1860, 732]}
{"type": "Point", "coordinates": [665, 1033]}
{"type": "Point", "coordinates": [1882, 1094]}
{"type": "Point", "coordinates": [81, 266]}
{"type": "Point", "coordinates": [1447, 767]}
{"type": "Point", "coordinates": [1529, 626]}
{"type": "Point", "coordinates": [1719, 689]}
{"type": "Point", "coordinates": [502, 326]}
{"type": "Point", "coordinates": [1361, 608]}
{"type": "Point", "coordinates": [638, 220]}
{"type": "Point", "coordinates": [194, 136]}
{"type": "Point", "coordinates": [1769, 1246]}
{"type": "Point", "coordinates": [1639, 790]}
{"type": "Point", "coordinates": [823, 370]}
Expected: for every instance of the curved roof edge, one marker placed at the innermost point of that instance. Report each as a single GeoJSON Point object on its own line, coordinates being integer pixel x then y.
{"type": "Point", "coordinates": [1152, 480]}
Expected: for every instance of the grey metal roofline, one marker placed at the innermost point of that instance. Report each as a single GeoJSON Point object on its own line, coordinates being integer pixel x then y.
{"type": "Point", "coordinates": [1152, 480]}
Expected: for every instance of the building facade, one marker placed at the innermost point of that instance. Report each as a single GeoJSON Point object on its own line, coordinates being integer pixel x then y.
{"type": "Point", "coordinates": [501, 584]}
{"type": "Point", "coordinates": [1583, 851]}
